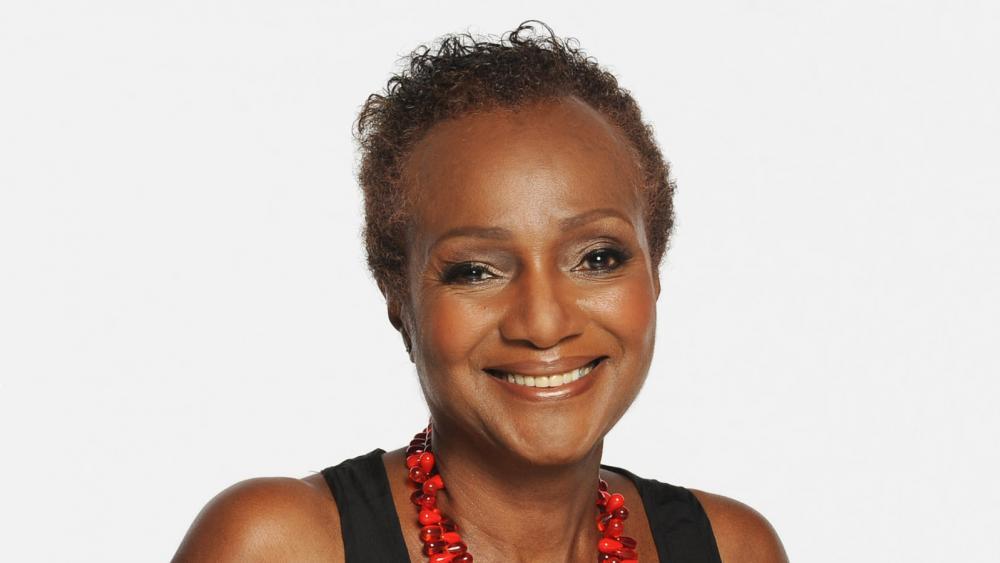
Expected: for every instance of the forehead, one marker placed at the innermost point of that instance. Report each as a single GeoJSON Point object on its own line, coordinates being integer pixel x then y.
{"type": "Point", "coordinates": [520, 169]}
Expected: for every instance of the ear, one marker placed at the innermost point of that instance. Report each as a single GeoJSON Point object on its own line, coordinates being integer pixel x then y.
{"type": "Point", "coordinates": [394, 309]}
{"type": "Point", "coordinates": [656, 282]}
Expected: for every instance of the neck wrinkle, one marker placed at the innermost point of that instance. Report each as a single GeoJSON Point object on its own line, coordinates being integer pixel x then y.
{"type": "Point", "coordinates": [510, 511]}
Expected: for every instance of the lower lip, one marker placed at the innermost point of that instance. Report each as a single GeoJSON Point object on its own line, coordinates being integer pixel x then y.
{"type": "Point", "coordinates": [565, 391]}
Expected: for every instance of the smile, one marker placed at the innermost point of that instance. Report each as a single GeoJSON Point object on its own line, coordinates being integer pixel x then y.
{"type": "Point", "coordinates": [554, 380]}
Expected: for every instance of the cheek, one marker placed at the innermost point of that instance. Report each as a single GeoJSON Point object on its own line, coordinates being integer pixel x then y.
{"type": "Point", "coordinates": [450, 329]}
{"type": "Point", "coordinates": [628, 311]}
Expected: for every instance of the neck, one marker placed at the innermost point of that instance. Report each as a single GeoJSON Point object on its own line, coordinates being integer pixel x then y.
{"type": "Point", "coordinates": [502, 505]}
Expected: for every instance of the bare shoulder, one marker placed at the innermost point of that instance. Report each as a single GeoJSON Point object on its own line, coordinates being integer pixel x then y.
{"type": "Point", "coordinates": [742, 533]}
{"type": "Point", "coordinates": [266, 519]}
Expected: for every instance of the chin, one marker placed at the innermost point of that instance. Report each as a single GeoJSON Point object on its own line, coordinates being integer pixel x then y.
{"type": "Point", "coordinates": [555, 449]}
{"type": "Point", "coordinates": [558, 458]}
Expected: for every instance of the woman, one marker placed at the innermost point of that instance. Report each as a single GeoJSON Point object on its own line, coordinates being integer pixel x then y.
{"type": "Point", "coordinates": [517, 209]}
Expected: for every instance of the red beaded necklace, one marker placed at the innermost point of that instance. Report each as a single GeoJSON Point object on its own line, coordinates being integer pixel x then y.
{"type": "Point", "coordinates": [442, 542]}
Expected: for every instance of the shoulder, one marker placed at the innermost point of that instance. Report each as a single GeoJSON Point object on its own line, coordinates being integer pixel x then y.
{"type": "Point", "coordinates": [266, 519]}
{"type": "Point", "coordinates": [742, 534]}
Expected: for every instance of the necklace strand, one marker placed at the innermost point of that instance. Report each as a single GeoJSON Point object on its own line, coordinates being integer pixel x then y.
{"type": "Point", "coordinates": [439, 534]}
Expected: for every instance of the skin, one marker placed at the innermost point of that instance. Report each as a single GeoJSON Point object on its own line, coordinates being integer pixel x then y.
{"type": "Point", "coordinates": [527, 245]}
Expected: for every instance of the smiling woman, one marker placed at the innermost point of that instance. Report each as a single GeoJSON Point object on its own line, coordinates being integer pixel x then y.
{"type": "Point", "coordinates": [517, 209]}
{"type": "Point", "coordinates": [564, 283]}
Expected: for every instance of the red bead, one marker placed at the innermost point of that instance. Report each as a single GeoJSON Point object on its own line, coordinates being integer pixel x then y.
{"type": "Point", "coordinates": [602, 485]}
{"type": "Point", "coordinates": [426, 461]}
{"type": "Point", "coordinates": [456, 548]}
{"type": "Point", "coordinates": [411, 450]}
{"type": "Point", "coordinates": [602, 521]}
{"type": "Point", "coordinates": [463, 558]}
{"type": "Point", "coordinates": [627, 542]}
{"type": "Point", "coordinates": [451, 537]}
{"type": "Point", "coordinates": [602, 498]}
{"type": "Point", "coordinates": [614, 502]}
{"type": "Point", "coordinates": [429, 516]}
{"type": "Point", "coordinates": [626, 553]}
{"type": "Point", "coordinates": [435, 547]}
{"type": "Point", "coordinates": [621, 513]}
{"type": "Point", "coordinates": [417, 475]}
{"type": "Point", "coordinates": [608, 545]}
{"type": "Point", "coordinates": [433, 484]}
{"type": "Point", "coordinates": [420, 499]}
{"type": "Point", "coordinates": [442, 558]}
{"type": "Point", "coordinates": [614, 528]}
{"type": "Point", "coordinates": [431, 533]}
{"type": "Point", "coordinates": [448, 525]}
{"type": "Point", "coordinates": [411, 461]}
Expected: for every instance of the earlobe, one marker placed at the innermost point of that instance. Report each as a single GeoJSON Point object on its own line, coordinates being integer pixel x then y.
{"type": "Point", "coordinates": [395, 312]}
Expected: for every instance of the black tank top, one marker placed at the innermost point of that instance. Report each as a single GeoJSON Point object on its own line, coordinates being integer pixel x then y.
{"type": "Point", "coordinates": [372, 534]}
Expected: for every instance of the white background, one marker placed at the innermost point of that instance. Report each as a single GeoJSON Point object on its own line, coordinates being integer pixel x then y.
{"type": "Point", "coordinates": [184, 302]}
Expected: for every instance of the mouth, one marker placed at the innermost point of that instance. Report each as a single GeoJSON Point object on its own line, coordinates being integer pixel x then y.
{"type": "Point", "coordinates": [546, 381]}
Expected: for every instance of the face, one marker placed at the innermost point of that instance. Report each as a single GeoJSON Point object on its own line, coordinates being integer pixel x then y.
{"type": "Point", "coordinates": [528, 264]}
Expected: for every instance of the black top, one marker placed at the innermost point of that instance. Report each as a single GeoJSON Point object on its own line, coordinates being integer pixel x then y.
{"type": "Point", "coordinates": [372, 534]}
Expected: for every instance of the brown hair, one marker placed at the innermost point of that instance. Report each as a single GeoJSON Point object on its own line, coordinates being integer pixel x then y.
{"type": "Point", "coordinates": [462, 74]}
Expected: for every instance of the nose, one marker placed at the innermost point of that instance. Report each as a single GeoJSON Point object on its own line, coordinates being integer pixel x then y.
{"type": "Point", "coordinates": [543, 309]}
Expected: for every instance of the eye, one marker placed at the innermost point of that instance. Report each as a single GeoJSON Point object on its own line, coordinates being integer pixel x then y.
{"type": "Point", "coordinates": [603, 259]}
{"type": "Point", "coordinates": [466, 272]}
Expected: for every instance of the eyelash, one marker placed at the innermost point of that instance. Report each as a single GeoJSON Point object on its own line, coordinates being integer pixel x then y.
{"type": "Point", "coordinates": [618, 255]}
{"type": "Point", "coordinates": [461, 272]}
{"type": "Point", "coordinates": [456, 273]}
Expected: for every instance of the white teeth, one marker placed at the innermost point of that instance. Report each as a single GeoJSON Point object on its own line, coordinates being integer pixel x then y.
{"type": "Point", "coordinates": [549, 380]}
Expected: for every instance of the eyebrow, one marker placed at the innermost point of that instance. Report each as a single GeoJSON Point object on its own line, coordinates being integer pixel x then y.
{"type": "Point", "coordinates": [591, 216]}
{"type": "Point", "coordinates": [499, 233]}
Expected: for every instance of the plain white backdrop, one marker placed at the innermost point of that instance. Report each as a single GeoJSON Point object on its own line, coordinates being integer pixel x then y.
{"type": "Point", "coordinates": [184, 302]}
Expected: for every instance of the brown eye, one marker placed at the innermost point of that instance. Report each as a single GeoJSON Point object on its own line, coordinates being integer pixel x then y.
{"type": "Point", "coordinates": [604, 259]}
{"type": "Point", "coordinates": [466, 272]}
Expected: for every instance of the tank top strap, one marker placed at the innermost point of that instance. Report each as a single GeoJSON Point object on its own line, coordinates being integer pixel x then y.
{"type": "Point", "coordinates": [368, 520]}
{"type": "Point", "coordinates": [677, 520]}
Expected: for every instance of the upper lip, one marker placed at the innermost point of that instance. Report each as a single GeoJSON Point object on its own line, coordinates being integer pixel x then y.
{"type": "Point", "coordinates": [536, 368]}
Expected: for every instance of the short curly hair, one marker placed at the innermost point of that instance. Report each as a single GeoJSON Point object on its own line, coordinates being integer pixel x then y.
{"type": "Point", "coordinates": [463, 74]}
